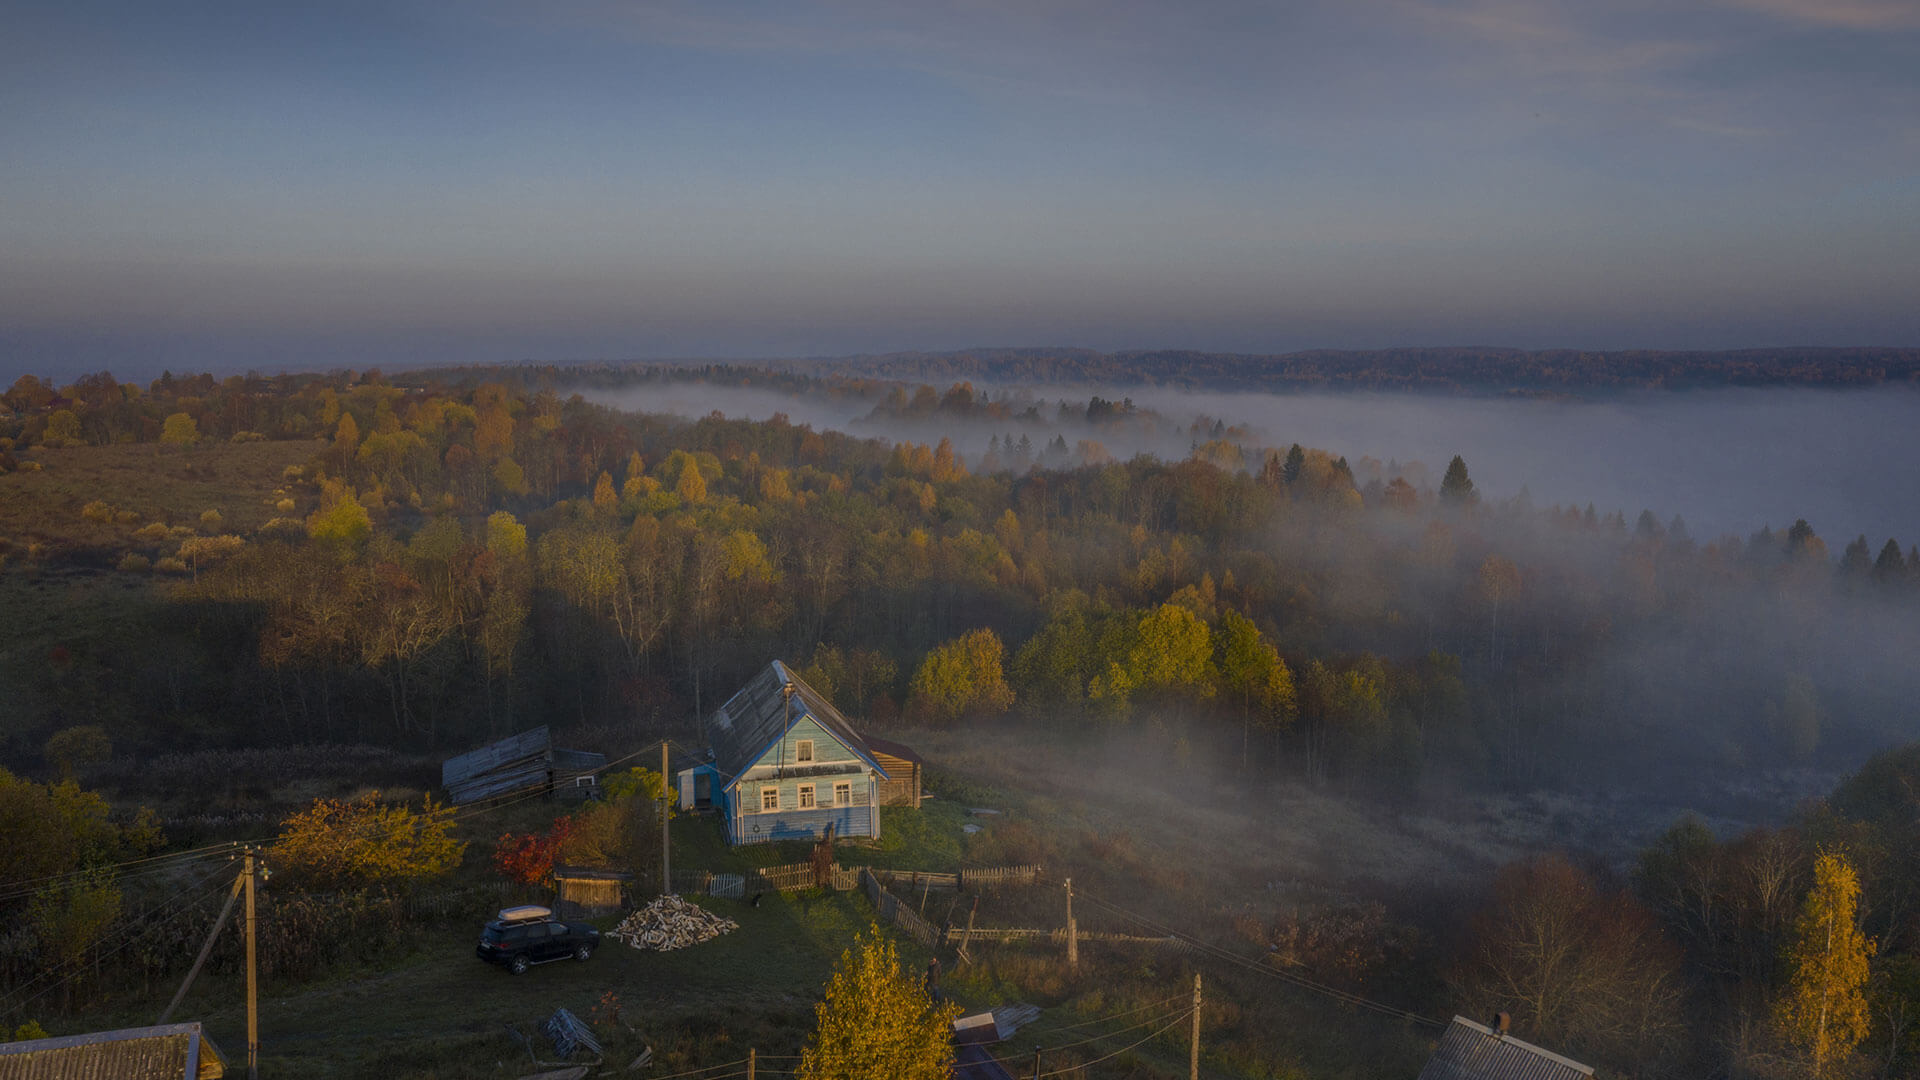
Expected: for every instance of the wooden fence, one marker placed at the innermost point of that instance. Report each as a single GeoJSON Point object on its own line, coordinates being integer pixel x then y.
{"type": "Point", "coordinates": [897, 912]}
{"type": "Point", "coordinates": [765, 879]}
{"type": "Point", "coordinates": [983, 879]}
{"type": "Point", "coordinates": [960, 935]}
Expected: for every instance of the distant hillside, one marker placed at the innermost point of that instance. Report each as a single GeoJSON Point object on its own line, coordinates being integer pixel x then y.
{"type": "Point", "coordinates": [1473, 370]}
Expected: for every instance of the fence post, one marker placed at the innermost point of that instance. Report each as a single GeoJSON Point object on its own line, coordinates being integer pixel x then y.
{"type": "Point", "coordinates": [1073, 932]}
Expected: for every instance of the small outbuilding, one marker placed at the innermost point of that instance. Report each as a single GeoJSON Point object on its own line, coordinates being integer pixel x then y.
{"type": "Point", "coordinates": [586, 892]}
{"type": "Point", "coordinates": [902, 764]}
{"type": "Point", "coordinates": [1470, 1051]}
{"type": "Point", "coordinates": [167, 1052]}
{"type": "Point", "coordinates": [519, 763]}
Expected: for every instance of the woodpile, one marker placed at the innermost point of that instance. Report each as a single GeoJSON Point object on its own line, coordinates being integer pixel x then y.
{"type": "Point", "coordinates": [671, 923]}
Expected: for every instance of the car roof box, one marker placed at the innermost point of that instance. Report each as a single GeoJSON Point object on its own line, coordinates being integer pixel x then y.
{"type": "Point", "coordinates": [525, 913]}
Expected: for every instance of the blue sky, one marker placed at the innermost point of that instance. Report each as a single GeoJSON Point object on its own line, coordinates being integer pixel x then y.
{"type": "Point", "coordinates": [246, 184]}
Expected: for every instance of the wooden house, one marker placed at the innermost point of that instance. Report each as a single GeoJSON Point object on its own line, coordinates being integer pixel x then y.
{"type": "Point", "coordinates": [519, 763]}
{"type": "Point", "coordinates": [784, 764]}
{"type": "Point", "coordinates": [1470, 1051]}
{"type": "Point", "coordinates": [167, 1052]}
{"type": "Point", "coordinates": [585, 892]}
{"type": "Point", "coordinates": [902, 764]}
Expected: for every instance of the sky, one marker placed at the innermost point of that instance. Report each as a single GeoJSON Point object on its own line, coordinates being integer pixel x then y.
{"type": "Point", "coordinates": [233, 185]}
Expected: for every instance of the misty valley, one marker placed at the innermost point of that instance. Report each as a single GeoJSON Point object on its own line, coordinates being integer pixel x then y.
{"type": "Point", "coordinates": [1370, 708]}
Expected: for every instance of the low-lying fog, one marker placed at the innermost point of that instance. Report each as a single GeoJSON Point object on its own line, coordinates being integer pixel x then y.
{"type": "Point", "coordinates": [1727, 460]}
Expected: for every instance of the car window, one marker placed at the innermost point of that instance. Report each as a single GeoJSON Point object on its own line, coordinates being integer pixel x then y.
{"type": "Point", "coordinates": [557, 929]}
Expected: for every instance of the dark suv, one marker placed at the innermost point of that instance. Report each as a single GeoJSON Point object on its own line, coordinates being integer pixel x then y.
{"type": "Point", "coordinates": [524, 936]}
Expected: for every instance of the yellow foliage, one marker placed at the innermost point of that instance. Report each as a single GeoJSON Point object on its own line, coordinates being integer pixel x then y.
{"type": "Point", "coordinates": [692, 487]}
{"type": "Point", "coordinates": [878, 1020]}
{"type": "Point", "coordinates": [358, 843]}
{"type": "Point", "coordinates": [1824, 1010]}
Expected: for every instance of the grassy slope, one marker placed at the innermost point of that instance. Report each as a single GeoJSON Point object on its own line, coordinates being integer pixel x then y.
{"type": "Point", "coordinates": [159, 483]}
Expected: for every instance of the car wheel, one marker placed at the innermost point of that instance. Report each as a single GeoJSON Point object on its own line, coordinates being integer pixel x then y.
{"type": "Point", "coordinates": [581, 952]}
{"type": "Point", "coordinates": [518, 965]}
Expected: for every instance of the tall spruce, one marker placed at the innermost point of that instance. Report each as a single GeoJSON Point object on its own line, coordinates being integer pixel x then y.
{"type": "Point", "coordinates": [1457, 487]}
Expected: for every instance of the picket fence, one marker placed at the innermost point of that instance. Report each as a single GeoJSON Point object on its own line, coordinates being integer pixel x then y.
{"type": "Point", "coordinates": [898, 912]}
{"type": "Point", "coordinates": [738, 886]}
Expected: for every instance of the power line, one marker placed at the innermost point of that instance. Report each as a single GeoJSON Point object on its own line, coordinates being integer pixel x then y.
{"type": "Point", "coordinates": [180, 902]}
{"type": "Point", "coordinates": [1301, 981]}
{"type": "Point", "coordinates": [1176, 1022]}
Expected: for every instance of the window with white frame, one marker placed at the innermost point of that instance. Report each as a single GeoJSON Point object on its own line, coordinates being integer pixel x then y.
{"type": "Point", "coordinates": [803, 751]}
{"type": "Point", "coordinates": [769, 799]}
{"type": "Point", "coordinates": [806, 796]}
{"type": "Point", "coordinates": [843, 793]}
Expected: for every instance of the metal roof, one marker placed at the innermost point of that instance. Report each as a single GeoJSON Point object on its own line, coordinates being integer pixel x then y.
{"type": "Point", "coordinates": [894, 749]}
{"type": "Point", "coordinates": [758, 716]}
{"type": "Point", "coordinates": [168, 1052]}
{"type": "Point", "coordinates": [1470, 1051]}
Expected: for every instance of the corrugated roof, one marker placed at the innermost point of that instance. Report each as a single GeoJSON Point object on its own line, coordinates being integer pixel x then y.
{"type": "Point", "coordinates": [168, 1052]}
{"type": "Point", "coordinates": [1470, 1051]}
{"type": "Point", "coordinates": [756, 717]}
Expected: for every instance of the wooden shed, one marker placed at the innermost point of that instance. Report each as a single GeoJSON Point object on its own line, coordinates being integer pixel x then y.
{"type": "Point", "coordinates": [902, 764]}
{"type": "Point", "coordinates": [518, 763]}
{"type": "Point", "coordinates": [585, 892]}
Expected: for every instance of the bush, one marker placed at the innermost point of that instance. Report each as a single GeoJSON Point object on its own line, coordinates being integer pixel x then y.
{"type": "Point", "coordinates": [170, 565]}
{"type": "Point", "coordinates": [357, 843]}
{"type": "Point", "coordinates": [97, 511]}
{"type": "Point", "coordinates": [135, 563]}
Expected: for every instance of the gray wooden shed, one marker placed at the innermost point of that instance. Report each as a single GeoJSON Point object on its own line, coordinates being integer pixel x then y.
{"type": "Point", "coordinates": [518, 763]}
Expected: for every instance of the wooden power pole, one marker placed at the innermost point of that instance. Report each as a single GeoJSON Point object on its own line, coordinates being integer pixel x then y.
{"type": "Point", "coordinates": [253, 1006]}
{"type": "Point", "coordinates": [206, 949]}
{"type": "Point", "coordinates": [1193, 1049]}
{"type": "Point", "coordinates": [753, 1056]}
{"type": "Point", "coordinates": [1073, 931]}
{"type": "Point", "coordinates": [666, 808]}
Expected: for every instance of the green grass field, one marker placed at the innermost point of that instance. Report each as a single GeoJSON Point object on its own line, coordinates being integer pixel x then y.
{"type": "Point", "coordinates": [440, 1012]}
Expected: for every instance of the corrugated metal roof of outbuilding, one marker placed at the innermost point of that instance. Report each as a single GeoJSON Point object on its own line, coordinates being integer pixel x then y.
{"type": "Point", "coordinates": [168, 1052]}
{"type": "Point", "coordinates": [1470, 1051]}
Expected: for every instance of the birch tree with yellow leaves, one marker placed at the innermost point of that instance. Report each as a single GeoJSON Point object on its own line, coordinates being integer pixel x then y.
{"type": "Point", "coordinates": [1823, 1013]}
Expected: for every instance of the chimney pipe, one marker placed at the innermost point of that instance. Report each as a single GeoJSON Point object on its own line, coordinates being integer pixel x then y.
{"type": "Point", "coordinates": [1502, 1023]}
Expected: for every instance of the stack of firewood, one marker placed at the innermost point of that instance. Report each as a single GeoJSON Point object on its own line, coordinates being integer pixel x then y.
{"type": "Point", "coordinates": [671, 923]}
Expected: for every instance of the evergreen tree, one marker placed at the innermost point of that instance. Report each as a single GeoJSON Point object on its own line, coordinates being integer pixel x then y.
{"type": "Point", "coordinates": [1457, 487]}
{"type": "Point", "coordinates": [1296, 459]}
{"type": "Point", "coordinates": [1824, 1010]}
{"type": "Point", "coordinates": [877, 1020]}
{"type": "Point", "coordinates": [1857, 560]}
{"type": "Point", "coordinates": [1891, 565]}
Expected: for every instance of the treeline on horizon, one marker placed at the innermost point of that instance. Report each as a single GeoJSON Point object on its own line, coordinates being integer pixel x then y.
{"type": "Point", "coordinates": [456, 562]}
{"type": "Point", "coordinates": [1471, 370]}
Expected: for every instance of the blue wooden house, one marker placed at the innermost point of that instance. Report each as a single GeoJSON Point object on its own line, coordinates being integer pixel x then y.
{"type": "Point", "coordinates": [784, 764]}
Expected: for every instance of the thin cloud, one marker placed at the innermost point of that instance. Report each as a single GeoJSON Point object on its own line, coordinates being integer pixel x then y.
{"type": "Point", "coordinates": [1844, 14]}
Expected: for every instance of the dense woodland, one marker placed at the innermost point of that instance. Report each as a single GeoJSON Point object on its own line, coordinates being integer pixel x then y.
{"type": "Point", "coordinates": [461, 555]}
{"type": "Point", "coordinates": [1453, 370]}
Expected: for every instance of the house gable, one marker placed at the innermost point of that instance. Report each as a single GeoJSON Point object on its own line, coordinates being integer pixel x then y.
{"type": "Point", "coordinates": [758, 731]}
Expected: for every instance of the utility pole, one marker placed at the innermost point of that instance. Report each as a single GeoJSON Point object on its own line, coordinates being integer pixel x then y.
{"type": "Point", "coordinates": [206, 949]}
{"type": "Point", "coordinates": [1193, 1051]}
{"type": "Point", "coordinates": [253, 1001]}
{"type": "Point", "coordinates": [666, 810]}
{"type": "Point", "coordinates": [752, 1059]}
{"type": "Point", "coordinates": [1073, 931]}
{"type": "Point", "coordinates": [1036, 1063]}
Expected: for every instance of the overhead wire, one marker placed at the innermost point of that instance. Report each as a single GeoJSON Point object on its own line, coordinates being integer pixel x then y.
{"type": "Point", "coordinates": [1301, 981]}
{"type": "Point", "coordinates": [179, 902]}
{"type": "Point", "coordinates": [1176, 1022]}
